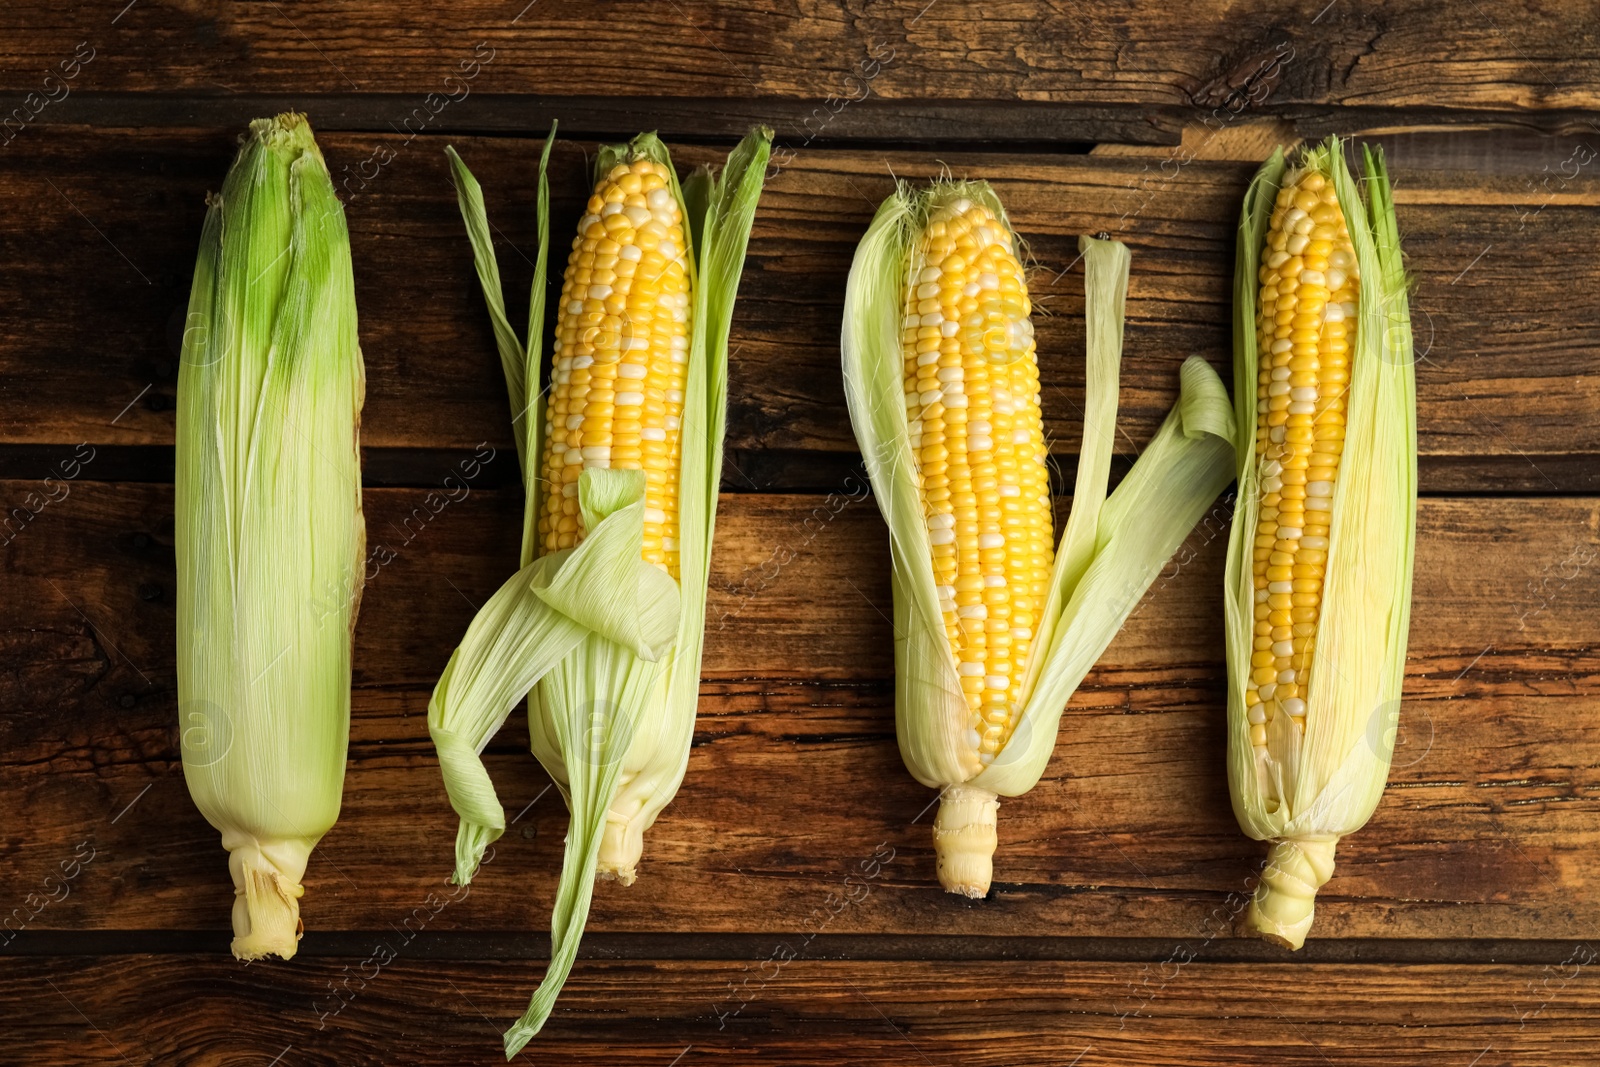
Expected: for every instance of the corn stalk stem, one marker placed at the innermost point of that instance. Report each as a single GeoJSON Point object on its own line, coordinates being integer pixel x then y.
{"type": "Point", "coordinates": [267, 892]}
{"type": "Point", "coordinates": [1285, 899]}
{"type": "Point", "coordinates": [964, 839]}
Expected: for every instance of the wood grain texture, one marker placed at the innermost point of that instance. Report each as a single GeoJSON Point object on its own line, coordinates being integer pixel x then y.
{"type": "Point", "coordinates": [800, 1011]}
{"type": "Point", "coordinates": [1506, 313]}
{"type": "Point", "coordinates": [864, 120]}
{"type": "Point", "coordinates": [1487, 829]}
{"type": "Point", "coordinates": [787, 910]}
{"type": "Point", "coordinates": [1399, 54]}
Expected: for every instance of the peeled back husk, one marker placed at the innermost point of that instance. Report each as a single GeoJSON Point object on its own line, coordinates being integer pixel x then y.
{"type": "Point", "coordinates": [269, 535]}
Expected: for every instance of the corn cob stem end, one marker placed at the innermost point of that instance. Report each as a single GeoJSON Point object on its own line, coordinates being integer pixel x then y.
{"type": "Point", "coordinates": [267, 892]}
{"type": "Point", "coordinates": [1285, 899]}
{"type": "Point", "coordinates": [964, 840]}
{"type": "Point", "coordinates": [621, 845]}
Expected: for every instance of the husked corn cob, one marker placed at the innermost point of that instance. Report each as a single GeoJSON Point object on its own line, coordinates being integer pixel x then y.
{"type": "Point", "coordinates": [621, 356]}
{"type": "Point", "coordinates": [1305, 321]}
{"type": "Point", "coordinates": [972, 403]}
{"type": "Point", "coordinates": [995, 625]}
{"type": "Point", "coordinates": [602, 627]}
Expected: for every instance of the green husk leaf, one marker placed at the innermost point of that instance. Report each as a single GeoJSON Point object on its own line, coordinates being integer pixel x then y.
{"type": "Point", "coordinates": [1239, 603]}
{"type": "Point", "coordinates": [515, 637]}
{"type": "Point", "coordinates": [269, 535]}
{"type": "Point", "coordinates": [930, 710]}
{"type": "Point", "coordinates": [1173, 482]}
{"type": "Point", "coordinates": [604, 584]}
{"type": "Point", "coordinates": [513, 360]}
{"type": "Point", "coordinates": [533, 351]}
{"type": "Point", "coordinates": [1105, 269]}
{"type": "Point", "coordinates": [520, 362]}
{"type": "Point", "coordinates": [698, 190]}
{"type": "Point", "coordinates": [592, 702]}
{"type": "Point", "coordinates": [535, 621]}
{"type": "Point", "coordinates": [512, 641]}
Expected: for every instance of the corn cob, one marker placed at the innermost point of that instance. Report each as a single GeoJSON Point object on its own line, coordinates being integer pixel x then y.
{"type": "Point", "coordinates": [1319, 570]}
{"type": "Point", "coordinates": [992, 634]}
{"type": "Point", "coordinates": [602, 628]}
{"type": "Point", "coordinates": [621, 356]}
{"type": "Point", "coordinates": [1307, 305]}
{"type": "Point", "coordinates": [972, 402]}
{"type": "Point", "coordinates": [268, 534]}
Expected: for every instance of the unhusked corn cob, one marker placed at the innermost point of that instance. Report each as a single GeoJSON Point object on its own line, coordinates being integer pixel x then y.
{"type": "Point", "coordinates": [972, 403]}
{"type": "Point", "coordinates": [268, 532]}
{"type": "Point", "coordinates": [1305, 323]}
{"type": "Point", "coordinates": [621, 356]}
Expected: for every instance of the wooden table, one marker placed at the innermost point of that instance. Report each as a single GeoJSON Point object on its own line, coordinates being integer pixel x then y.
{"type": "Point", "coordinates": [1460, 925]}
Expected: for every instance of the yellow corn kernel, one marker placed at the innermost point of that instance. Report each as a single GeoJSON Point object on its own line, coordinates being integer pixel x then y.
{"type": "Point", "coordinates": [972, 401]}
{"type": "Point", "coordinates": [1304, 330]}
{"type": "Point", "coordinates": [621, 356]}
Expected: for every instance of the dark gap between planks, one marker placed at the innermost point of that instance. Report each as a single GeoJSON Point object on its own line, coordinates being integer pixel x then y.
{"type": "Point", "coordinates": [1013, 124]}
{"type": "Point", "coordinates": [808, 472]}
{"type": "Point", "coordinates": [880, 123]}
{"type": "Point", "coordinates": [518, 945]}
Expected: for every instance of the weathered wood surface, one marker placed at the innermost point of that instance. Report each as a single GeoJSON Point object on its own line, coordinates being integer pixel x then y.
{"type": "Point", "coordinates": [1487, 831]}
{"type": "Point", "coordinates": [212, 1011]}
{"type": "Point", "coordinates": [1407, 54]}
{"type": "Point", "coordinates": [1507, 321]}
{"type": "Point", "coordinates": [1459, 928]}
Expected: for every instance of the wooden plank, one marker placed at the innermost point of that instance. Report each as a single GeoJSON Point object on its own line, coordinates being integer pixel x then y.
{"type": "Point", "coordinates": [360, 1012]}
{"type": "Point", "coordinates": [797, 124]}
{"type": "Point", "coordinates": [870, 121]}
{"type": "Point", "coordinates": [1200, 54]}
{"type": "Point", "coordinates": [1505, 309]}
{"type": "Point", "coordinates": [1487, 831]}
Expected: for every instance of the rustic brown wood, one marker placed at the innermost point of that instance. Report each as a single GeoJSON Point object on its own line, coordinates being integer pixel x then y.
{"type": "Point", "coordinates": [1504, 310]}
{"type": "Point", "coordinates": [800, 1011]}
{"type": "Point", "coordinates": [787, 908]}
{"type": "Point", "coordinates": [1248, 140]}
{"type": "Point", "coordinates": [1488, 829]}
{"type": "Point", "coordinates": [1193, 55]}
{"type": "Point", "coordinates": [870, 121]}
